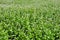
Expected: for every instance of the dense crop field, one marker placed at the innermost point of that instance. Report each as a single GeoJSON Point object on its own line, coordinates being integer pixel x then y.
{"type": "Point", "coordinates": [29, 20]}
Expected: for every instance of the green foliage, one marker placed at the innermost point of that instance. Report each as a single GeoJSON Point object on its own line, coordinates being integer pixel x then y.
{"type": "Point", "coordinates": [29, 23]}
